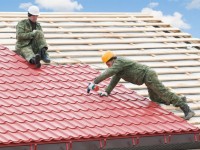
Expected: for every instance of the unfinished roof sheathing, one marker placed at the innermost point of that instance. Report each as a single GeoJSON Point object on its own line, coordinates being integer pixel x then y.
{"type": "Point", "coordinates": [81, 38]}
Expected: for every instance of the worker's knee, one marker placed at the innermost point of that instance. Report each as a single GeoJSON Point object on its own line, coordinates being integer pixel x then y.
{"type": "Point", "coordinates": [151, 76]}
{"type": "Point", "coordinates": [39, 33]}
{"type": "Point", "coordinates": [178, 102]}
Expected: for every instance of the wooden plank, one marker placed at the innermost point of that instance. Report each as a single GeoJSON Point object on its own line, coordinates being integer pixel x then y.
{"type": "Point", "coordinates": [163, 70]}
{"type": "Point", "coordinates": [106, 24]}
{"type": "Point", "coordinates": [65, 61]}
{"type": "Point", "coordinates": [194, 97]}
{"type": "Point", "coordinates": [160, 64]}
{"type": "Point", "coordinates": [194, 106]}
{"type": "Point", "coordinates": [124, 53]}
{"type": "Point", "coordinates": [97, 30]}
{"type": "Point", "coordinates": [164, 58]}
{"type": "Point", "coordinates": [180, 91]}
{"type": "Point", "coordinates": [179, 70]}
{"type": "Point", "coordinates": [141, 59]}
{"type": "Point", "coordinates": [84, 19]}
{"type": "Point", "coordinates": [77, 14]}
{"type": "Point", "coordinates": [156, 52]}
{"type": "Point", "coordinates": [95, 53]}
{"type": "Point", "coordinates": [170, 84]}
{"type": "Point", "coordinates": [155, 65]}
{"type": "Point", "coordinates": [124, 41]}
{"type": "Point", "coordinates": [112, 47]}
{"type": "Point", "coordinates": [110, 41]}
{"type": "Point", "coordinates": [117, 35]}
{"type": "Point", "coordinates": [119, 47]}
{"type": "Point", "coordinates": [172, 64]}
{"type": "Point", "coordinates": [89, 24]}
{"type": "Point", "coordinates": [104, 35]}
{"type": "Point", "coordinates": [175, 77]}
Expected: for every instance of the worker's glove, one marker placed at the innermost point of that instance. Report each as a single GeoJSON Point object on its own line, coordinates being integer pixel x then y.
{"type": "Point", "coordinates": [33, 33]}
{"type": "Point", "coordinates": [103, 94]}
{"type": "Point", "coordinates": [92, 86]}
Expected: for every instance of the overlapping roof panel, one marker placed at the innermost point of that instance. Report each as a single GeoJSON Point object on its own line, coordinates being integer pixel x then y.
{"type": "Point", "coordinates": [51, 104]}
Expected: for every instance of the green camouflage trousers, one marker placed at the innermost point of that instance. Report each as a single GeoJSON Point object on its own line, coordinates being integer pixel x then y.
{"type": "Point", "coordinates": [37, 43]}
{"type": "Point", "coordinates": [159, 93]}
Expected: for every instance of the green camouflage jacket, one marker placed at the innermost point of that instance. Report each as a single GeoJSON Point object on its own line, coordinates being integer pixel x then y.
{"type": "Point", "coordinates": [24, 33]}
{"type": "Point", "coordinates": [128, 70]}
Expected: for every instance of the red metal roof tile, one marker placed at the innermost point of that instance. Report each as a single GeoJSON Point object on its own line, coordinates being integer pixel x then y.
{"type": "Point", "coordinates": [51, 103]}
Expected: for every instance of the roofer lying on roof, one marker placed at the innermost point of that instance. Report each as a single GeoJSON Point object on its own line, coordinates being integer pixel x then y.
{"type": "Point", "coordinates": [30, 39]}
{"type": "Point", "coordinates": [139, 74]}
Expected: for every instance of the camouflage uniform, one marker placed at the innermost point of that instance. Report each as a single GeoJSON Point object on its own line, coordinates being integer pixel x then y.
{"type": "Point", "coordinates": [29, 43]}
{"type": "Point", "coordinates": [139, 74]}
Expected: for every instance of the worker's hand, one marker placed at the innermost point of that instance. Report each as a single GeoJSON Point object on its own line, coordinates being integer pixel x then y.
{"type": "Point", "coordinates": [34, 31]}
{"type": "Point", "coordinates": [92, 86]}
{"type": "Point", "coordinates": [103, 94]}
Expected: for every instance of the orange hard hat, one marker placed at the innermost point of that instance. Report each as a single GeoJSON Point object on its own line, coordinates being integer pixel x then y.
{"type": "Point", "coordinates": [107, 56]}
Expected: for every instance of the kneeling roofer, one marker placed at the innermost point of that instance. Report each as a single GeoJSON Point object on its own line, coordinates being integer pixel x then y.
{"type": "Point", "coordinates": [138, 74]}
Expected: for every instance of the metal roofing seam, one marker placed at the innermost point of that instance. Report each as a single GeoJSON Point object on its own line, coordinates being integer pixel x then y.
{"type": "Point", "coordinates": [137, 119]}
{"type": "Point", "coordinates": [89, 132]}
{"type": "Point", "coordinates": [52, 115]}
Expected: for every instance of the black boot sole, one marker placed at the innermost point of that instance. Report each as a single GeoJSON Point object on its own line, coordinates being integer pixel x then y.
{"type": "Point", "coordinates": [46, 61]}
{"type": "Point", "coordinates": [189, 115]}
{"type": "Point", "coordinates": [37, 61]}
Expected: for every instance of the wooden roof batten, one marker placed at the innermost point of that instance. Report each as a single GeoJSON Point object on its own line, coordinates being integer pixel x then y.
{"type": "Point", "coordinates": [82, 37]}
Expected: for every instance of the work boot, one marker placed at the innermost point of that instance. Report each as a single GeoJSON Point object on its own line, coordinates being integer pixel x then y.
{"type": "Point", "coordinates": [36, 60]}
{"type": "Point", "coordinates": [44, 56]}
{"type": "Point", "coordinates": [187, 111]}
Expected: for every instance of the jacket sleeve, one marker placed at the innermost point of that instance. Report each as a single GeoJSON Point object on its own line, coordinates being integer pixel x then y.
{"type": "Point", "coordinates": [23, 33]}
{"type": "Point", "coordinates": [115, 79]}
{"type": "Point", "coordinates": [117, 67]}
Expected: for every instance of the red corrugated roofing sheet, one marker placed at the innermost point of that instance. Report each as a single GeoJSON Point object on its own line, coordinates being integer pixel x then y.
{"type": "Point", "coordinates": [51, 103]}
